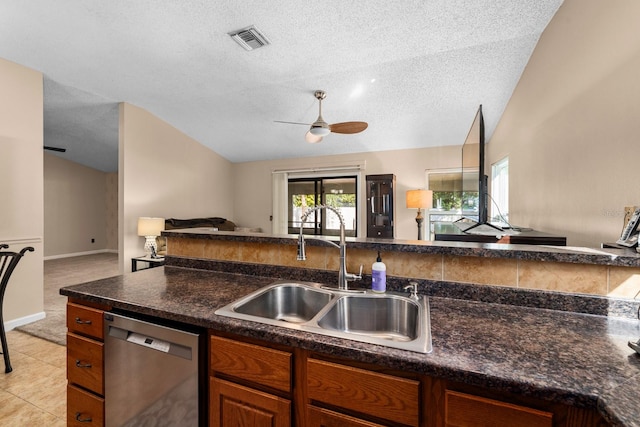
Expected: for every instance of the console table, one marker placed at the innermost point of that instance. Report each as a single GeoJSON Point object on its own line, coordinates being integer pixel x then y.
{"type": "Point", "coordinates": [152, 262]}
{"type": "Point", "coordinates": [451, 233]}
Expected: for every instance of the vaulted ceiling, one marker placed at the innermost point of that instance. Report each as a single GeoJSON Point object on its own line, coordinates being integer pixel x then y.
{"type": "Point", "coordinates": [415, 70]}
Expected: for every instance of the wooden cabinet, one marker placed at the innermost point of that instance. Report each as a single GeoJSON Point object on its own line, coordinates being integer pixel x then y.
{"type": "Point", "coordinates": [260, 384]}
{"type": "Point", "coordinates": [381, 210]}
{"type": "Point", "coordinates": [255, 384]}
{"type": "Point", "coordinates": [249, 384]}
{"type": "Point", "coordinates": [85, 365]}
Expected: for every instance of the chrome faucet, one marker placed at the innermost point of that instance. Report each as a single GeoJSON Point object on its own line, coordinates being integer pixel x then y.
{"type": "Point", "coordinates": [343, 276]}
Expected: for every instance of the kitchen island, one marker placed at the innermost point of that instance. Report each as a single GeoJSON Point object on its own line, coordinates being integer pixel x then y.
{"type": "Point", "coordinates": [533, 356]}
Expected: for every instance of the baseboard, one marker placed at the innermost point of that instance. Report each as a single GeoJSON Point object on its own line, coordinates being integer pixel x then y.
{"type": "Point", "coordinates": [21, 321]}
{"type": "Point", "coordinates": [99, 251]}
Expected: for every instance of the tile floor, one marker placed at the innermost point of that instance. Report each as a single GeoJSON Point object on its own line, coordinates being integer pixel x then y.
{"type": "Point", "coordinates": [34, 394]}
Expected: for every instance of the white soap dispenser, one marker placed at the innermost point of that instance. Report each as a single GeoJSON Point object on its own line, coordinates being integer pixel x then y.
{"type": "Point", "coordinates": [379, 275]}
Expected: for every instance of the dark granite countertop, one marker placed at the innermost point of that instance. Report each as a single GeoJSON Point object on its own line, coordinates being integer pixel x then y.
{"type": "Point", "coordinates": [570, 254]}
{"type": "Point", "coordinates": [576, 359]}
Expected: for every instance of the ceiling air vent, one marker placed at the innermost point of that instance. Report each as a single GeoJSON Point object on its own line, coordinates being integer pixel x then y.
{"type": "Point", "coordinates": [250, 38]}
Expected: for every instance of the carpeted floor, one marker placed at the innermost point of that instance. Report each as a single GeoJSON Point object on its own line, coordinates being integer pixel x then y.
{"type": "Point", "coordinates": [64, 272]}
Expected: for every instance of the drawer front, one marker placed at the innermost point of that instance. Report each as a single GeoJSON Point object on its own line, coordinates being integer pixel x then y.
{"type": "Point", "coordinates": [85, 321]}
{"type": "Point", "coordinates": [463, 409]}
{"type": "Point", "coordinates": [84, 408]}
{"type": "Point", "coordinates": [85, 363]}
{"type": "Point", "coordinates": [381, 395]}
{"type": "Point", "coordinates": [320, 417]}
{"type": "Point", "coordinates": [266, 366]}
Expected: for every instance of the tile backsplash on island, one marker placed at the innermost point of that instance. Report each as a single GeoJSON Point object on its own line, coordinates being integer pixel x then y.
{"type": "Point", "coordinates": [524, 267]}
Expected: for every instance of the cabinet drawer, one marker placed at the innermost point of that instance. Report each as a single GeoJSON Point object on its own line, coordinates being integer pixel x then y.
{"type": "Point", "coordinates": [83, 406]}
{"type": "Point", "coordinates": [265, 366]}
{"type": "Point", "coordinates": [373, 393]}
{"type": "Point", "coordinates": [320, 417]}
{"type": "Point", "coordinates": [463, 409]}
{"type": "Point", "coordinates": [85, 363]}
{"type": "Point", "coordinates": [85, 321]}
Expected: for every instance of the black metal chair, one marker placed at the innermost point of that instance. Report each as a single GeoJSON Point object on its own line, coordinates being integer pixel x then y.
{"type": "Point", "coordinates": [8, 262]}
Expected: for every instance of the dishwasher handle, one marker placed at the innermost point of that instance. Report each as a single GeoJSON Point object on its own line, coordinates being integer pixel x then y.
{"type": "Point", "coordinates": [150, 342]}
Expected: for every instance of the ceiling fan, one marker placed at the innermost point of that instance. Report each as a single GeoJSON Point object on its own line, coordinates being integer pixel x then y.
{"type": "Point", "coordinates": [320, 128]}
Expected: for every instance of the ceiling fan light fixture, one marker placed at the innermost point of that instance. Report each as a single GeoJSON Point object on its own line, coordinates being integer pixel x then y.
{"type": "Point", "coordinates": [311, 138]}
{"type": "Point", "coordinates": [320, 130]}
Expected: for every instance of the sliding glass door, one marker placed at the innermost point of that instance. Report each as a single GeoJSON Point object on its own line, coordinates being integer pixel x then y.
{"type": "Point", "coordinates": [337, 192]}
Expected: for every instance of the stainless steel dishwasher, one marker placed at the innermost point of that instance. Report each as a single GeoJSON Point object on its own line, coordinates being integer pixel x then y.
{"type": "Point", "coordinates": [150, 374]}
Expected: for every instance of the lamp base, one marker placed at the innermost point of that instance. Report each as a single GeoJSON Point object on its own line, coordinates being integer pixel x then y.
{"type": "Point", "coordinates": [419, 220]}
{"type": "Point", "coordinates": [150, 246]}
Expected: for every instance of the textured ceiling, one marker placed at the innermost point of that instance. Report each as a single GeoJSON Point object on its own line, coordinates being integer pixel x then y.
{"type": "Point", "coordinates": [415, 70]}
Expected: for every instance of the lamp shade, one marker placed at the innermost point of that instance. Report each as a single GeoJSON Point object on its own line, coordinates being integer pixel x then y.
{"type": "Point", "coordinates": [150, 226]}
{"type": "Point", "coordinates": [419, 199]}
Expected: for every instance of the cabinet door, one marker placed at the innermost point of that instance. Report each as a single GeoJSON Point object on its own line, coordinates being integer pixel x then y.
{"type": "Point", "coordinates": [320, 417]}
{"type": "Point", "coordinates": [235, 405]}
{"type": "Point", "coordinates": [380, 206]}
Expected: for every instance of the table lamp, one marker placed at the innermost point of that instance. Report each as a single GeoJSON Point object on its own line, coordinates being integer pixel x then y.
{"type": "Point", "coordinates": [150, 228]}
{"type": "Point", "coordinates": [419, 199]}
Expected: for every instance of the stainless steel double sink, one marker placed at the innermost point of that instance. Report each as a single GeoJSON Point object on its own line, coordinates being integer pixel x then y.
{"type": "Point", "coordinates": [389, 319]}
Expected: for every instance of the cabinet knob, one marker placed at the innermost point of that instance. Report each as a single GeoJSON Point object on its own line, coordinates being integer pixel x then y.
{"type": "Point", "coordinates": [82, 420]}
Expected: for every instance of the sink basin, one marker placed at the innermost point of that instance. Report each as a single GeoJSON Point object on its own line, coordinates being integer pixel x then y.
{"type": "Point", "coordinates": [390, 317]}
{"type": "Point", "coordinates": [285, 302]}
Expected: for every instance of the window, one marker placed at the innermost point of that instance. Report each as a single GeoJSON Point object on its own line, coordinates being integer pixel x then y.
{"type": "Point", "coordinates": [500, 190]}
{"type": "Point", "coordinates": [446, 185]}
{"type": "Point", "coordinates": [337, 192]}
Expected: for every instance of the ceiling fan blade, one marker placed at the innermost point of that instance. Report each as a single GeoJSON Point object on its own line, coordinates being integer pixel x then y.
{"type": "Point", "coordinates": [348, 127]}
{"type": "Point", "coordinates": [292, 123]}
{"type": "Point", "coordinates": [58, 149]}
{"type": "Point", "coordinates": [311, 138]}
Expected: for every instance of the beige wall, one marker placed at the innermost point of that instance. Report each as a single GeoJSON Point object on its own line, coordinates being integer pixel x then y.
{"type": "Point", "coordinates": [252, 181]}
{"type": "Point", "coordinates": [21, 191]}
{"type": "Point", "coordinates": [571, 127]}
{"type": "Point", "coordinates": [75, 206]}
{"type": "Point", "coordinates": [164, 173]}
